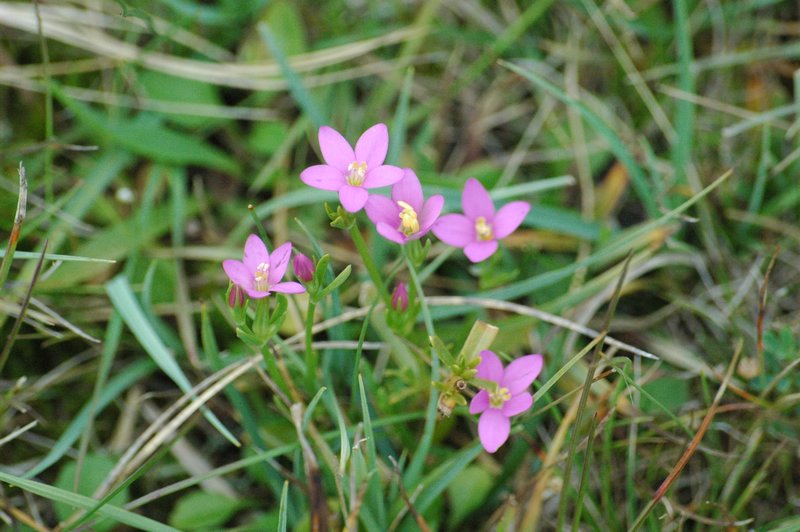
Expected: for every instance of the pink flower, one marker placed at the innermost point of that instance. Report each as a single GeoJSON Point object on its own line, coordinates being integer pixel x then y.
{"type": "Point", "coordinates": [260, 272]}
{"type": "Point", "coordinates": [352, 172]}
{"type": "Point", "coordinates": [302, 267]}
{"type": "Point", "coordinates": [407, 216]}
{"type": "Point", "coordinates": [509, 399]}
{"type": "Point", "coordinates": [400, 297]}
{"type": "Point", "coordinates": [480, 227]}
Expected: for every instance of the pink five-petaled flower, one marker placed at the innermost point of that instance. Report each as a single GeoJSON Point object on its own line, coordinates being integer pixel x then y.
{"type": "Point", "coordinates": [260, 272]}
{"type": "Point", "coordinates": [408, 215]}
{"type": "Point", "coordinates": [480, 227]}
{"type": "Point", "coordinates": [350, 172]}
{"type": "Point", "coordinates": [510, 398]}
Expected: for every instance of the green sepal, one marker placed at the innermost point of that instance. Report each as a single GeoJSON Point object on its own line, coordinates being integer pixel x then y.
{"type": "Point", "coordinates": [340, 218]}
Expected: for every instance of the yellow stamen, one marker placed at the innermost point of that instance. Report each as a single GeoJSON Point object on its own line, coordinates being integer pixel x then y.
{"type": "Point", "coordinates": [483, 229]}
{"type": "Point", "coordinates": [356, 171]}
{"type": "Point", "coordinates": [498, 398]}
{"type": "Point", "coordinates": [409, 224]}
{"type": "Point", "coordinates": [261, 277]}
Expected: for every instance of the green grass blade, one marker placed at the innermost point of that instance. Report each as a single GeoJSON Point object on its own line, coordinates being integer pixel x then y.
{"type": "Point", "coordinates": [123, 380]}
{"type": "Point", "coordinates": [123, 299]}
{"type": "Point", "coordinates": [638, 177]}
{"type": "Point", "coordinates": [112, 512]}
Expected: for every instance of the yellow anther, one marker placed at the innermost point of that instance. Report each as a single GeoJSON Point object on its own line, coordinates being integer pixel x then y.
{"type": "Point", "coordinates": [498, 398]}
{"type": "Point", "coordinates": [261, 277]}
{"type": "Point", "coordinates": [409, 224]}
{"type": "Point", "coordinates": [483, 229]}
{"type": "Point", "coordinates": [356, 171]}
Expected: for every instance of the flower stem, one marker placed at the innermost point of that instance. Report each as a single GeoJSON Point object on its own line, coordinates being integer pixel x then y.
{"type": "Point", "coordinates": [311, 355]}
{"type": "Point", "coordinates": [373, 271]}
{"type": "Point", "coordinates": [421, 454]}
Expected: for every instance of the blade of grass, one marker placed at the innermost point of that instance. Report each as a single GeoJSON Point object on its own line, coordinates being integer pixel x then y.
{"type": "Point", "coordinates": [638, 178]}
{"type": "Point", "coordinates": [123, 380]}
{"type": "Point", "coordinates": [12, 335]}
{"type": "Point", "coordinates": [296, 87]}
{"type": "Point", "coordinates": [400, 122]}
{"type": "Point", "coordinates": [587, 460]}
{"type": "Point", "coordinates": [123, 299]}
{"type": "Point", "coordinates": [112, 512]}
{"type": "Point", "coordinates": [283, 507]}
{"type": "Point", "coordinates": [692, 447]}
{"type": "Point", "coordinates": [535, 282]}
{"type": "Point", "coordinates": [562, 506]}
{"type": "Point", "coordinates": [19, 217]}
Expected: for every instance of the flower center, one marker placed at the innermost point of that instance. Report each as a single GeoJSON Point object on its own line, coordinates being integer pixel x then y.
{"type": "Point", "coordinates": [498, 398]}
{"type": "Point", "coordinates": [261, 277]}
{"type": "Point", "coordinates": [409, 224]}
{"type": "Point", "coordinates": [483, 229]}
{"type": "Point", "coordinates": [356, 172]}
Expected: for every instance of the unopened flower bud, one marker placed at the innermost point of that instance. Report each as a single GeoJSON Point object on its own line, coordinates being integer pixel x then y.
{"type": "Point", "coordinates": [236, 296]}
{"type": "Point", "coordinates": [303, 268]}
{"type": "Point", "coordinates": [400, 297]}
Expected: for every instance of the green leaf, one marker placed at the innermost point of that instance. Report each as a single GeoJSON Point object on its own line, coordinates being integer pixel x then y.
{"type": "Point", "coordinates": [146, 136]}
{"type": "Point", "coordinates": [201, 510]}
{"type": "Point", "coordinates": [166, 88]}
{"type": "Point", "coordinates": [94, 471]}
{"type": "Point", "coordinates": [671, 392]}
{"type": "Point", "coordinates": [467, 492]}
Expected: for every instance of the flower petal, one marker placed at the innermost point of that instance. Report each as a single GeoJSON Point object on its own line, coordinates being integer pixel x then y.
{"type": "Point", "coordinates": [390, 233]}
{"type": "Point", "coordinates": [517, 404]}
{"type": "Point", "coordinates": [255, 252]}
{"type": "Point", "coordinates": [323, 176]}
{"type": "Point", "coordinates": [493, 429]}
{"type": "Point", "coordinates": [480, 251]}
{"type": "Point", "coordinates": [382, 176]}
{"type": "Point", "coordinates": [353, 198]}
{"type": "Point", "coordinates": [256, 294]}
{"type": "Point", "coordinates": [508, 218]}
{"type": "Point", "coordinates": [479, 403]}
{"type": "Point", "coordinates": [278, 261]}
{"type": "Point", "coordinates": [372, 146]}
{"type": "Point", "coordinates": [475, 201]}
{"type": "Point", "coordinates": [238, 273]}
{"type": "Point", "coordinates": [288, 287]}
{"type": "Point", "coordinates": [454, 229]}
{"type": "Point", "coordinates": [431, 210]}
{"type": "Point", "coordinates": [520, 373]}
{"type": "Point", "coordinates": [490, 368]}
{"type": "Point", "coordinates": [382, 209]}
{"type": "Point", "coordinates": [409, 190]}
{"type": "Point", "coordinates": [335, 149]}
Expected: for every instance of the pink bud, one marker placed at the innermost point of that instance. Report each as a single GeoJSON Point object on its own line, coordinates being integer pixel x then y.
{"type": "Point", "coordinates": [400, 297]}
{"type": "Point", "coordinates": [303, 267]}
{"type": "Point", "coordinates": [236, 296]}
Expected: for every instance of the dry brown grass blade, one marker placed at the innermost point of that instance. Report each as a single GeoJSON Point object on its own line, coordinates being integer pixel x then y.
{"type": "Point", "coordinates": [18, 323]}
{"type": "Point", "coordinates": [19, 217]}
{"type": "Point", "coordinates": [83, 29]}
{"type": "Point", "coordinates": [316, 491]}
{"type": "Point", "coordinates": [693, 445]}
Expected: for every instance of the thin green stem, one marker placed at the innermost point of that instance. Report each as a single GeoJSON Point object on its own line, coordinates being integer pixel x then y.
{"type": "Point", "coordinates": [372, 269]}
{"type": "Point", "coordinates": [415, 467]}
{"type": "Point", "coordinates": [48, 108]}
{"type": "Point", "coordinates": [312, 361]}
